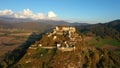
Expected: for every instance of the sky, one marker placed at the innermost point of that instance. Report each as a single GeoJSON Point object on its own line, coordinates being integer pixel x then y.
{"type": "Point", "coordinates": [90, 11]}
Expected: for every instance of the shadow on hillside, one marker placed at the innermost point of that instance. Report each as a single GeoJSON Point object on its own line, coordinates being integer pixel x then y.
{"type": "Point", "coordinates": [11, 58]}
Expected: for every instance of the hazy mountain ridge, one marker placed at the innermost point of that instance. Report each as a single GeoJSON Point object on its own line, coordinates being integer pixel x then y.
{"type": "Point", "coordinates": [109, 29]}
{"type": "Point", "coordinates": [114, 24]}
{"type": "Point", "coordinates": [29, 24]}
{"type": "Point", "coordinates": [38, 24]}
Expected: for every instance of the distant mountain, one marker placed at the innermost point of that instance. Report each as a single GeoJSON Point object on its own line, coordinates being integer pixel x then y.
{"type": "Point", "coordinates": [10, 19]}
{"type": "Point", "coordinates": [5, 24]}
{"type": "Point", "coordinates": [79, 24]}
{"type": "Point", "coordinates": [104, 30]}
{"type": "Point", "coordinates": [114, 24]}
{"type": "Point", "coordinates": [29, 24]}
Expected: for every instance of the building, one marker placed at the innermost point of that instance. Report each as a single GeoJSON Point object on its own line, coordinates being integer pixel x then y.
{"type": "Point", "coordinates": [60, 30]}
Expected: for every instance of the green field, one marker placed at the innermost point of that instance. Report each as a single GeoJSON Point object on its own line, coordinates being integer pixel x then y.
{"type": "Point", "coordinates": [101, 42]}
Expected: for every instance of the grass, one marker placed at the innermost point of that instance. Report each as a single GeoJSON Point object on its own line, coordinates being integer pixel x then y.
{"type": "Point", "coordinates": [108, 41]}
{"type": "Point", "coordinates": [102, 42]}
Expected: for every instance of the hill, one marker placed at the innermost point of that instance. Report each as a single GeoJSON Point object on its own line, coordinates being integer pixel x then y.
{"type": "Point", "coordinates": [65, 48]}
{"type": "Point", "coordinates": [104, 30]}
{"type": "Point", "coordinates": [114, 24]}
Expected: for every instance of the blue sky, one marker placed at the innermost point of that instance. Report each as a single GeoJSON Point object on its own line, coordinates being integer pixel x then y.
{"type": "Point", "coordinates": [91, 11]}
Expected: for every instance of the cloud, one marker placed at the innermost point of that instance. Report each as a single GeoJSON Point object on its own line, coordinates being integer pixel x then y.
{"type": "Point", "coordinates": [6, 12]}
{"type": "Point", "coordinates": [51, 14]}
{"type": "Point", "coordinates": [27, 13]}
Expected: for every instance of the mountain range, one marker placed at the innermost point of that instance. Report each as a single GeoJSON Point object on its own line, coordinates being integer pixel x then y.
{"type": "Point", "coordinates": [29, 24]}
{"type": "Point", "coordinates": [109, 29]}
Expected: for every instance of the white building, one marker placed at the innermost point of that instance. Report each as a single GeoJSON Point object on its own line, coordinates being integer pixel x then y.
{"type": "Point", "coordinates": [55, 37]}
{"type": "Point", "coordinates": [58, 45]}
{"type": "Point", "coordinates": [61, 29]}
{"type": "Point", "coordinates": [40, 45]}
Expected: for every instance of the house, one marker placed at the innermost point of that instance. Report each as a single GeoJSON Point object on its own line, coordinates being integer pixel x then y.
{"type": "Point", "coordinates": [50, 34]}
{"type": "Point", "coordinates": [58, 45]}
{"type": "Point", "coordinates": [61, 29]}
{"type": "Point", "coordinates": [40, 45]}
{"type": "Point", "coordinates": [54, 37]}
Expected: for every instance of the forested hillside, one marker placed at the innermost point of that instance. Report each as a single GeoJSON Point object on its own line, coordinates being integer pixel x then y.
{"type": "Point", "coordinates": [104, 30]}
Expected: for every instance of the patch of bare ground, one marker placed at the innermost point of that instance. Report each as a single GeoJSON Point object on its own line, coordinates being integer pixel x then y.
{"type": "Point", "coordinates": [87, 38]}
{"type": "Point", "coordinates": [20, 34]}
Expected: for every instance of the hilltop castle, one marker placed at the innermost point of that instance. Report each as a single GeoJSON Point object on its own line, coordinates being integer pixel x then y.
{"type": "Point", "coordinates": [64, 28]}
{"type": "Point", "coordinates": [63, 38]}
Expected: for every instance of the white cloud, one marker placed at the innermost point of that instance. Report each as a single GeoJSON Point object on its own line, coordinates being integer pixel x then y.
{"type": "Point", "coordinates": [27, 13]}
{"type": "Point", "coordinates": [51, 14]}
{"type": "Point", "coordinates": [6, 12]}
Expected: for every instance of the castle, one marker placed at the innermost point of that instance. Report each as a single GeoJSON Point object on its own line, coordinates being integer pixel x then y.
{"type": "Point", "coordinates": [65, 28]}
{"type": "Point", "coordinates": [62, 37]}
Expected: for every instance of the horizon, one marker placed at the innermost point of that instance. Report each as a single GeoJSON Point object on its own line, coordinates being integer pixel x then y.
{"type": "Point", "coordinates": [82, 11]}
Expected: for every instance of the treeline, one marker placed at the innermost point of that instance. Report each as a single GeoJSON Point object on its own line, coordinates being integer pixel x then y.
{"type": "Point", "coordinates": [104, 30]}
